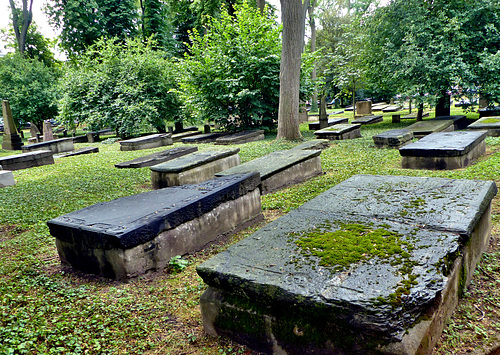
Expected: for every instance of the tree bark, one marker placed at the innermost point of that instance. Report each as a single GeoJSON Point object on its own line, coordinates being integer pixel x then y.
{"type": "Point", "coordinates": [27, 17]}
{"type": "Point", "coordinates": [293, 19]}
{"type": "Point", "coordinates": [420, 112]}
{"type": "Point", "coordinates": [443, 104]}
{"type": "Point", "coordinates": [312, 24]}
{"type": "Point", "coordinates": [261, 4]}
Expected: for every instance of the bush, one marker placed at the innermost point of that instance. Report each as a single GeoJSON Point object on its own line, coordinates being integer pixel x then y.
{"type": "Point", "coordinates": [232, 74]}
{"type": "Point", "coordinates": [127, 87]}
{"type": "Point", "coordinates": [31, 88]}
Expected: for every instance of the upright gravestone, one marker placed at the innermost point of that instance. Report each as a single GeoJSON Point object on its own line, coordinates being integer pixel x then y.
{"type": "Point", "coordinates": [364, 107]}
{"type": "Point", "coordinates": [323, 117]}
{"type": "Point", "coordinates": [34, 132]}
{"type": "Point", "coordinates": [11, 140]}
{"type": "Point", "coordinates": [47, 131]}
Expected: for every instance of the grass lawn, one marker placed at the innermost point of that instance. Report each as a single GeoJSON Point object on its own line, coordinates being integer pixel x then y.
{"type": "Point", "coordinates": [49, 308]}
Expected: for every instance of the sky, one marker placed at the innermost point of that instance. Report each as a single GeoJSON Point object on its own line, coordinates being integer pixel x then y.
{"type": "Point", "coordinates": [41, 19]}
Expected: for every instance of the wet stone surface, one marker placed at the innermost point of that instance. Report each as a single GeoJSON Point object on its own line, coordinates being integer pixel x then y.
{"type": "Point", "coordinates": [368, 119]}
{"type": "Point", "coordinates": [423, 128]}
{"type": "Point", "coordinates": [444, 144]}
{"type": "Point", "coordinates": [286, 268]}
{"type": "Point", "coordinates": [459, 121]}
{"type": "Point", "coordinates": [393, 138]}
{"type": "Point", "coordinates": [157, 158]}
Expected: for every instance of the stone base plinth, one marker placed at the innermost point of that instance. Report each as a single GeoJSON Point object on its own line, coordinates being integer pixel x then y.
{"type": "Point", "coordinates": [193, 168]}
{"type": "Point", "coordinates": [489, 124]}
{"type": "Point", "coordinates": [27, 160]}
{"type": "Point", "coordinates": [12, 142]}
{"type": "Point", "coordinates": [56, 146]}
{"type": "Point", "coordinates": [393, 138]}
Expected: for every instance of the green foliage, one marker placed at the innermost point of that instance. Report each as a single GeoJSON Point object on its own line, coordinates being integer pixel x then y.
{"type": "Point", "coordinates": [232, 75]}
{"type": "Point", "coordinates": [128, 87]}
{"type": "Point", "coordinates": [177, 263]}
{"type": "Point", "coordinates": [30, 86]}
{"type": "Point", "coordinates": [155, 22]}
{"type": "Point", "coordinates": [83, 23]}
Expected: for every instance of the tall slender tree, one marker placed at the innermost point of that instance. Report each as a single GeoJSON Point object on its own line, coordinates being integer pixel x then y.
{"type": "Point", "coordinates": [21, 20]}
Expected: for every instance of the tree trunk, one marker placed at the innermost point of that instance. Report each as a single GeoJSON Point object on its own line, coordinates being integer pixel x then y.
{"type": "Point", "coordinates": [354, 101]}
{"type": "Point", "coordinates": [261, 4]}
{"type": "Point", "coordinates": [443, 104]}
{"type": "Point", "coordinates": [292, 17]}
{"type": "Point", "coordinates": [409, 104]}
{"type": "Point", "coordinates": [312, 24]}
{"type": "Point", "coordinates": [420, 112]}
{"type": "Point", "coordinates": [26, 18]}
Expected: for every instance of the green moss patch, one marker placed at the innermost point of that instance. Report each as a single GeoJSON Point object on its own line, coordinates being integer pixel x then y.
{"type": "Point", "coordinates": [491, 120]}
{"type": "Point", "coordinates": [353, 243]}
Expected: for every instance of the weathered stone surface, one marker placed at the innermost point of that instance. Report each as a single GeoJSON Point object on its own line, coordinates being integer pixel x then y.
{"type": "Point", "coordinates": [241, 137]}
{"type": "Point", "coordinates": [11, 140]}
{"type": "Point", "coordinates": [56, 146]}
{"type": "Point", "coordinates": [489, 111]}
{"type": "Point", "coordinates": [203, 138]}
{"type": "Point", "coordinates": [80, 151]}
{"type": "Point", "coordinates": [315, 126]}
{"type": "Point", "coordinates": [264, 291]}
{"type": "Point", "coordinates": [281, 169]}
{"type": "Point", "coordinates": [314, 144]}
{"type": "Point", "coordinates": [422, 128]}
{"type": "Point", "coordinates": [48, 135]}
{"type": "Point", "coordinates": [147, 142]}
{"type": "Point", "coordinates": [379, 106]}
{"type": "Point", "coordinates": [193, 168]}
{"type": "Point", "coordinates": [6, 178]}
{"type": "Point", "coordinates": [392, 108]}
{"type": "Point", "coordinates": [444, 150]}
{"type": "Point", "coordinates": [459, 121]}
{"type": "Point", "coordinates": [368, 119]}
{"type": "Point", "coordinates": [27, 160]}
{"type": "Point", "coordinates": [393, 138]}
{"type": "Point", "coordinates": [177, 137]}
{"type": "Point", "coordinates": [489, 124]}
{"type": "Point", "coordinates": [131, 235]}
{"type": "Point", "coordinates": [34, 132]}
{"type": "Point", "coordinates": [339, 132]}
{"type": "Point", "coordinates": [364, 107]}
{"type": "Point", "coordinates": [157, 158]}
{"type": "Point", "coordinates": [413, 116]}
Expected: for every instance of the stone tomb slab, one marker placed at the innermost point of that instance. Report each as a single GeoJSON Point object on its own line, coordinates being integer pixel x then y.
{"type": "Point", "coordinates": [339, 132]}
{"type": "Point", "coordinates": [459, 121]}
{"type": "Point", "coordinates": [489, 124]}
{"type": "Point", "coordinates": [6, 178]}
{"type": "Point", "coordinates": [392, 108]}
{"type": "Point", "coordinates": [314, 126]}
{"type": "Point", "coordinates": [314, 144]}
{"type": "Point", "coordinates": [280, 169]}
{"type": "Point", "coordinates": [277, 292]}
{"type": "Point", "coordinates": [241, 137]}
{"type": "Point", "coordinates": [177, 137]}
{"type": "Point", "coordinates": [80, 151]}
{"type": "Point", "coordinates": [157, 158]}
{"type": "Point", "coordinates": [147, 142]}
{"type": "Point", "coordinates": [444, 150]}
{"type": "Point", "coordinates": [131, 235]}
{"type": "Point", "coordinates": [423, 128]}
{"type": "Point", "coordinates": [27, 160]}
{"type": "Point", "coordinates": [204, 138]}
{"type": "Point", "coordinates": [393, 138]}
{"type": "Point", "coordinates": [368, 119]}
{"type": "Point", "coordinates": [413, 116]}
{"type": "Point", "coordinates": [193, 168]}
{"type": "Point", "coordinates": [60, 145]}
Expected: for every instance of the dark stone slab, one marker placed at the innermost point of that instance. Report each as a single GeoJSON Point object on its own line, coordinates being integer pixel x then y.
{"type": "Point", "coordinates": [27, 160]}
{"type": "Point", "coordinates": [80, 151]}
{"type": "Point", "coordinates": [146, 142]}
{"type": "Point", "coordinates": [489, 124]}
{"type": "Point", "coordinates": [80, 139]}
{"type": "Point", "coordinates": [459, 121]}
{"type": "Point", "coordinates": [314, 144]}
{"type": "Point", "coordinates": [177, 137]}
{"type": "Point", "coordinates": [444, 144]}
{"type": "Point", "coordinates": [193, 168]}
{"type": "Point", "coordinates": [117, 238]}
{"type": "Point", "coordinates": [241, 137]}
{"type": "Point", "coordinates": [422, 128]}
{"type": "Point", "coordinates": [268, 292]}
{"type": "Point", "coordinates": [203, 138]}
{"type": "Point", "coordinates": [368, 119]}
{"type": "Point", "coordinates": [11, 139]}
{"type": "Point", "coordinates": [339, 132]}
{"type": "Point", "coordinates": [280, 169]}
{"type": "Point", "coordinates": [489, 111]}
{"type": "Point", "coordinates": [392, 108]}
{"type": "Point", "coordinates": [157, 158]}
{"type": "Point", "coordinates": [314, 126]}
{"type": "Point", "coordinates": [393, 138]}
{"type": "Point", "coordinates": [60, 145]}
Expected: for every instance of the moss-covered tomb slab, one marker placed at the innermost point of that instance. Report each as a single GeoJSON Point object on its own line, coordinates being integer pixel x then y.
{"type": "Point", "coordinates": [284, 289]}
